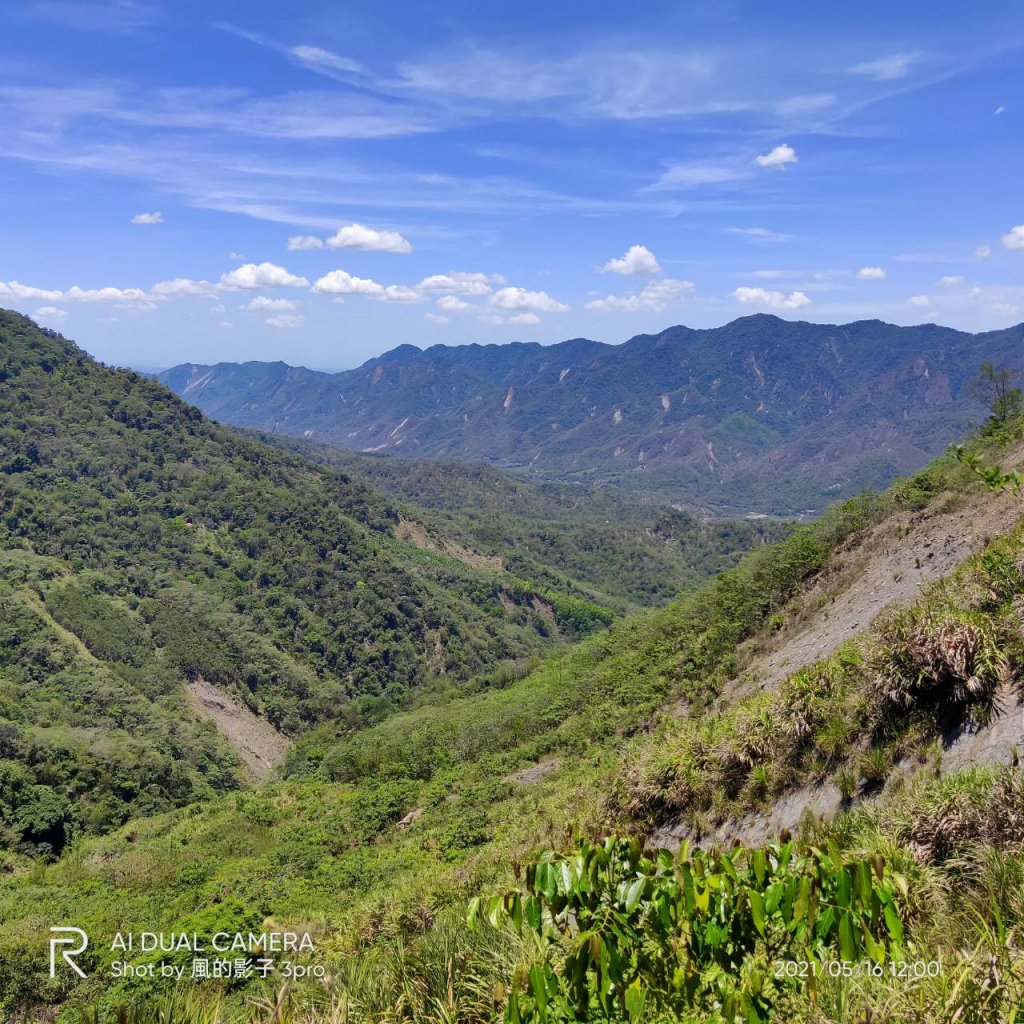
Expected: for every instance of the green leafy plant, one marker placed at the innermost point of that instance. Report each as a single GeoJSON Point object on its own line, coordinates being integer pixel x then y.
{"type": "Point", "coordinates": [624, 932]}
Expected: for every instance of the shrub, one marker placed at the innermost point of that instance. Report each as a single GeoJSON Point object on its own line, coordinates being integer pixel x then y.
{"type": "Point", "coordinates": [946, 665]}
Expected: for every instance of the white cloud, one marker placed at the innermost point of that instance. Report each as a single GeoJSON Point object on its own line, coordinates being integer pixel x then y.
{"type": "Point", "coordinates": [778, 157]}
{"type": "Point", "coordinates": [951, 280]}
{"type": "Point", "coordinates": [637, 260]}
{"type": "Point", "coordinates": [182, 286]}
{"type": "Point", "coordinates": [872, 273]}
{"type": "Point", "coordinates": [299, 242]}
{"type": "Point", "coordinates": [885, 69]}
{"type": "Point", "coordinates": [524, 318]}
{"type": "Point", "coordinates": [235, 256]}
{"type": "Point", "coordinates": [1014, 238]}
{"type": "Point", "coordinates": [51, 313]}
{"type": "Point", "coordinates": [999, 110]}
{"type": "Point", "coordinates": [123, 295]}
{"type": "Point", "coordinates": [654, 298]}
{"type": "Point", "coordinates": [1004, 309]}
{"type": "Point", "coordinates": [983, 252]}
{"type": "Point", "coordinates": [263, 275]}
{"type": "Point", "coordinates": [695, 173]}
{"type": "Point", "coordinates": [358, 236]}
{"type": "Point", "coordinates": [286, 321]}
{"type": "Point", "coordinates": [771, 299]}
{"type": "Point", "coordinates": [919, 300]}
{"type": "Point", "coordinates": [148, 218]}
{"type": "Point", "coordinates": [772, 274]}
{"type": "Point", "coordinates": [760, 234]}
{"type": "Point", "coordinates": [437, 318]}
{"type": "Point", "coordinates": [278, 305]}
{"type": "Point", "coordinates": [400, 293]}
{"type": "Point", "coordinates": [226, 324]}
{"type": "Point", "coordinates": [318, 58]}
{"type": "Point", "coordinates": [460, 283]}
{"type": "Point", "coordinates": [341, 282]}
{"type": "Point", "coordinates": [451, 304]}
{"type": "Point", "coordinates": [16, 290]}
{"type": "Point", "coordinates": [520, 298]}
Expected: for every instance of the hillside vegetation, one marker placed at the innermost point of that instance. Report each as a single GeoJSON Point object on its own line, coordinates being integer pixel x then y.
{"type": "Point", "coordinates": [379, 837]}
{"type": "Point", "coordinates": [760, 415]}
{"type": "Point", "coordinates": [619, 548]}
{"type": "Point", "coordinates": [477, 854]}
{"type": "Point", "coordinates": [143, 547]}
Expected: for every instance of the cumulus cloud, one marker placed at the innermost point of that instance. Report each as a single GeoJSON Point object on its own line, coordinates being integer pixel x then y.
{"type": "Point", "coordinates": [951, 280]}
{"type": "Point", "coordinates": [262, 275]}
{"type": "Point", "coordinates": [437, 318]}
{"type": "Point", "coordinates": [299, 242]}
{"type": "Point", "coordinates": [451, 304]}
{"type": "Point", "coordinates": [919, 300]}
{"type": "Point", "coordinates": [148, 218]}
{"type": "Point", "coordinates": [872, 273]}
{"type": "Point", "coordinates": [341, 282]}
{"type": "Point", "coordinates": [286, 321]}
{"type": "Point", "coordinates": [235, 256]}
{"type": "Point", "coordinates": [1004, 309]}
{"type": "Point", "coordinates": [1014, 238]}
{"type": "Point", "coordinates": [358, 236]}
{"type": "Point", "coordinates": [654, 298]}
{"type": "Point", "coordinates": [461, 283]}
{"type": "Point", "coordinates": [261, 302]}
{"type": "Point", "coordinates": [400, 293]}
{"type": "Point", "coordinates": [885, 69]}
{"type": "Point", "coordinates": [983, 252]}
{"type": "Point", "coordinates": [16, 290]}
{"type": "Point", "coordinates": [637, 260]}
{"type": "Point", "coordinates": [520, 298]}
{"type": "Point", "coordinates": [122, 295]}
{"type": "Point", "coordinates": [779, 157]}
{"type": "Point", "coordinates": [180, 286]}
{"type": "Point", "coordinates": [524, 318]}
{"type": "Point", "coordinates": [51, 313]}
{"type": "Point", "coordinates": [771, 299]}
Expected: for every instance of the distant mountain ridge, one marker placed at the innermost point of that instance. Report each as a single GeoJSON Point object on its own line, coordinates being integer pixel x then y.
{"type": "Point", "coordinates": [761, 414]}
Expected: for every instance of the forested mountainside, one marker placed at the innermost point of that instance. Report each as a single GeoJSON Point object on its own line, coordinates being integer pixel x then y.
{"type": "Point", "coordinates": [760, 415]}
{"type": "Point", "coordinates": [622, 548]}
{"type": "Point", "coordinates": [858, 682]}
{"type": "Point", "coordinates": [143, 548]}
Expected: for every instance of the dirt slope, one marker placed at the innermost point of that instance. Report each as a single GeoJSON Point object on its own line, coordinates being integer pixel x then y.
{"type": "Point", "coordinates": [260, 747]}
{"type": "Point", "coordinates": [883, 568]}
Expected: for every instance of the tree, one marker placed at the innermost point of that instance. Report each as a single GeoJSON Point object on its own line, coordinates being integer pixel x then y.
{"type": "Point", "coordinates": [995, 387]}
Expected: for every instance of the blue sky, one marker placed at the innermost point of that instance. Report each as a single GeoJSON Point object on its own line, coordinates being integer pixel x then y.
{"type": "Point", "coordinates": [318, 182]}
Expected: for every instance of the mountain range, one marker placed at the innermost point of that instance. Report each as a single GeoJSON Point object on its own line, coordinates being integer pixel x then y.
{"type": "Point", "coordinates": [762, 414]}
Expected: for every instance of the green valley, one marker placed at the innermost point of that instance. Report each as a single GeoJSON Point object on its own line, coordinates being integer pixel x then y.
{"type": "Point", "coordinates": [383, 825]}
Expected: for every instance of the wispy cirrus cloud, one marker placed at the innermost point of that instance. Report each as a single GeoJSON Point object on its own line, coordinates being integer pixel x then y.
{"type": "Point", "coordinates": [888, 68]}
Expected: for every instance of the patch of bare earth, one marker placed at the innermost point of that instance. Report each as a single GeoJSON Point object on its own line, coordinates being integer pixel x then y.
{"type": "Point", "coordinates": [881, 569]}
{"type": "Point", "coordinates": [413, 533]}
{"type": "Point", "coordinates": [260, 747]}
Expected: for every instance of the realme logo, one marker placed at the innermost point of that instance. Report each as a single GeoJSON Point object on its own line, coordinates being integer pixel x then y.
{"type": "Point", "coordinates": [70, 937]}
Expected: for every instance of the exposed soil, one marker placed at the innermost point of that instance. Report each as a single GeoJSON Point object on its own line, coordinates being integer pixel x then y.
{"type": "Point", "coordinates": [533, 772]}
{"type": "Point", "coordinates": [260, 747]}
{"type": "Point", "coordinates": [414, 533]}
{"type": "Point", "coordinates": [879, 570]}
{"type": "Point", "coordinates": [884, 568]}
